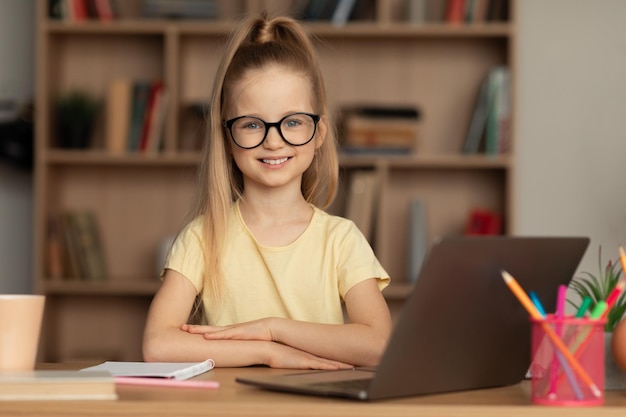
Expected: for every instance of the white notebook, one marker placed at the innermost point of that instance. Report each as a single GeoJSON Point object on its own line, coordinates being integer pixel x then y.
{"type": "Point", "coordinates": [170, 370]}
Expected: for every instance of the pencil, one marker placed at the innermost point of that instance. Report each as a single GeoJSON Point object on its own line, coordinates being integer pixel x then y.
{"type": "Point", "coordinates": [166, 382]}
{"type": "Point", "coordinates": [558, 343]}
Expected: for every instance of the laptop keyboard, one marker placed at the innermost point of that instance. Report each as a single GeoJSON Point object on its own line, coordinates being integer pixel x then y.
{"type": "Point", "coordinates": [351, 384]}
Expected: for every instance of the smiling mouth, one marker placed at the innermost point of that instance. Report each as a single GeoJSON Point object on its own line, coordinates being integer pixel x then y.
{"type": "Point", "coordinates": [274, 161]}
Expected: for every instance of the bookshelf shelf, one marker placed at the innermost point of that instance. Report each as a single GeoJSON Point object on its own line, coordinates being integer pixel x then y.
{"type": "Point", "coordinates": [100, 158]}
{"type": "Point", "coordinates": [111, 288]}
{"type": "Point", "coordinates": [428, 161]}
{"type": "Point", "coordinates": [140, 199]}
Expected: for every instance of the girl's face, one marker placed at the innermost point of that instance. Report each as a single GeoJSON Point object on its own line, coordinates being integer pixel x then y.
{"type": "Point", "coordinates": [270, 94]}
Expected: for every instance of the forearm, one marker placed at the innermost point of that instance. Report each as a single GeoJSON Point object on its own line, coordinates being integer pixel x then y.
{"type": "Point", "coordinates": [175, 345]}
{"type": "Point", "coordinates": [354, 343]}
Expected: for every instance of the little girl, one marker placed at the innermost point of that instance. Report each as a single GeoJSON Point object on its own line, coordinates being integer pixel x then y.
{"type": "Point", "coordinates": [270, 267]}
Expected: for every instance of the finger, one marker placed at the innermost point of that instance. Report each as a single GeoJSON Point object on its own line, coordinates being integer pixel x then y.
{"type": "Point", "coordinates": [198, 329]}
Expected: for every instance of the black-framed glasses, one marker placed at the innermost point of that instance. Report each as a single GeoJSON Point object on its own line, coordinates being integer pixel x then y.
{"type": "Point", "coordinates": [296, 129]}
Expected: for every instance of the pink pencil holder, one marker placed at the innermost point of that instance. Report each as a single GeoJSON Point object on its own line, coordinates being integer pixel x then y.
{"type": "Point", "coordinates": [561, 381]}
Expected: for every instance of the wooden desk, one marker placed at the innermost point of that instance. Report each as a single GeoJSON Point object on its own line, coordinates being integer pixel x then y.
{"type": "Point", "coordinates": [234, 399]}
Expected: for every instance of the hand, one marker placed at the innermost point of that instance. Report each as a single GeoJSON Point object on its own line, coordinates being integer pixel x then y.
{"type": "Point", "coordinates": [286, 357]}
{"type": "Point", "coordinates": [252, 330]}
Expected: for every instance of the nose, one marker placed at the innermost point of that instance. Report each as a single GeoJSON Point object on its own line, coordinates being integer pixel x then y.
{"type": "Point", "coordinates": [273, 139]}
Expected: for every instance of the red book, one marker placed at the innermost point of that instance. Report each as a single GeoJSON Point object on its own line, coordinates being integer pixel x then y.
{"type": "Point", "coordinates": [151, 110]}
{"type": "Point", "coordinates": [79, 9]}
{"type": "Point", "coordinates": [455, 12]}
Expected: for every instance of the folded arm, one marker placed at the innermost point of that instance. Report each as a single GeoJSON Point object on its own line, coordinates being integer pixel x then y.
{"type": "Point", "coordinates": [360, 342]}
{"type": "Point", "coordinates": [165, 341]}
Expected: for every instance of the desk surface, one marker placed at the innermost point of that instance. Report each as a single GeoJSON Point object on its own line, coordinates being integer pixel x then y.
{"type": "Point", "coordinates": [234, 399]}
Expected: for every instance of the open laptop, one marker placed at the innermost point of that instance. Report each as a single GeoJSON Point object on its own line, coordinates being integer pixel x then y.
{"type": "Point", "coordinates": [461, 328]}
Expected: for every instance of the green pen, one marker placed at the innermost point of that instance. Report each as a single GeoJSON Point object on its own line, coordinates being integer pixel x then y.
{"type": "Point", "coordinates": [583, 307]}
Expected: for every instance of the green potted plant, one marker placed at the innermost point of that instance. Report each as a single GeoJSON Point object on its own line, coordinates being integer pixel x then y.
{"type": "Point", "coordinates": [598, 287]}
{"type": "Point", "coordinates": [76, 114]}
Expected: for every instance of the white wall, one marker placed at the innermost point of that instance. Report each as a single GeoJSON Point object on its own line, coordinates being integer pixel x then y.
{"type": "Point", "coordinates": [17, 33]}
{"type": "Point", "coordinates": [571, 131]}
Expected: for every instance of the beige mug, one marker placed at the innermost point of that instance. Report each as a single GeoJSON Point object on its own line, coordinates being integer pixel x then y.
{"type": "Point", "coordinates": [20, 326]}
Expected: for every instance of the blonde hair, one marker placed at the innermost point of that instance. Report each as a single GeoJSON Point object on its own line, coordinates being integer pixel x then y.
{"type": "Point", "coordinates": [257, 42]}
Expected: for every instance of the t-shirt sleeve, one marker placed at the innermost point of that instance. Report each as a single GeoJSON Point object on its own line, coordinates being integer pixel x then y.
{"type": "Point", "coordinates": [357, 261]}
{"type": "Point", "coordinates": [186, 255]}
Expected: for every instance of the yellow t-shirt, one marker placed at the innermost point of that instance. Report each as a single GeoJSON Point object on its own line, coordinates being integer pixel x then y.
{"type": "Point", "coordinates": [305, 280]}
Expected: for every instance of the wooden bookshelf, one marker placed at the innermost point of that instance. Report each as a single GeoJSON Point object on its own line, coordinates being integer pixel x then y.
{"type": "Point", "coordinates": [141, 199]}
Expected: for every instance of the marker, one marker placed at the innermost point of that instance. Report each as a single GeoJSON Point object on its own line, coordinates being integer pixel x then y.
{"type": "Point", "coordinates": [166, 382]}
{"type": "Point", "coordinates": [599, 310]}
{"type": "Point", "coordinates": [584, 306]}
{"type": "Point", "coordinates": [537, 302]}
{"type": "Point", "coordinates": [613, 296]}
{"type": "Point", "coordinates": [556, 340]}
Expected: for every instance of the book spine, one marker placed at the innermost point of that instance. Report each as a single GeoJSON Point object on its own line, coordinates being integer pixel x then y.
{"type": "Point", "coordinates": [360, 206]}
{"type": "Point", "coordinates": [418, 239]}
{"type": "Point", "coordinates": [119, 100]}
{"type": "Point", "coordinates": [90, 246]}
{"type": "Point", "coordinates": [141, 95]}
{"type": "Point", "coordinates": [478, 120]}
{"type": "Point", "coordinates": [150, 113]}
{"type": "Point", "coordinates": [71, 246]}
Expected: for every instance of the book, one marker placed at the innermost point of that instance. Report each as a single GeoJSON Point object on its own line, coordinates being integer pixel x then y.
{"type": "Point", "coordinates": [478, 121]}
{"type": "Point", "coordinates": [54, 251]}
{"type": "Point", "coordinates": [418, 238]}
{"type": "Point", "coordinates": [118, 111]}
{"type": "Point", "coordinates": [56, 385]}
{"type": "Point", "coordinates": [479, 13]}
{"type": "Point", "coordinates": [154, 136]}
{"type": "Point", "coordinates": [140, 98]}
{"type": "Point", "coordinates": [150, 113]}
{"type": "Point", "coordinates": [490, 119]}
{"type": "Point", "coordinates": [342, 12]}
{"type": "Point", "coordinates": [361, 202]}
{"type": "Point", "coordinates": [70, 247]}
{"type": "Point", "coordinates": [455, 11]}
{"type": "Point", "coordinates": [168, 370]}
{"type": "Point", "coordinates": [496, 133]}
{"type": "Point", "coordinates": [436, 11]}
{"type": "Point", "coordinates": [417, 11]}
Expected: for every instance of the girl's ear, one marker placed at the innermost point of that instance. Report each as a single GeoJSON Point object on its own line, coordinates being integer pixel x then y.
{"type": "Point", "coordinates": [322, 131]}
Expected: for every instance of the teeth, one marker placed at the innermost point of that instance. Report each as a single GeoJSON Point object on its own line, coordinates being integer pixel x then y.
{"type": "Point", "coordinates": [274, 161]}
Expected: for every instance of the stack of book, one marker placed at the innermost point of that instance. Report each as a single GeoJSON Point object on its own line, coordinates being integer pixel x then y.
{"type": "Point", "coordinates": [457, 11]}
{"type": "Point", "coordinates": [81, 10]}
{"type": "Point", "coordinates": [75, 249]}
{"type": "Point", "coordinates": [181, 9]}
{"type": "Point", "coordinates": [136, 113]}
{"type": "Point", "coordinates": [46, 385]}
{"type": "Point", "coordinates": [379, 130]}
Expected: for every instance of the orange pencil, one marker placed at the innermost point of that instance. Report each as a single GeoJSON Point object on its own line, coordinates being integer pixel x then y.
{"type": "Point", "coordinates": [556, 340]}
